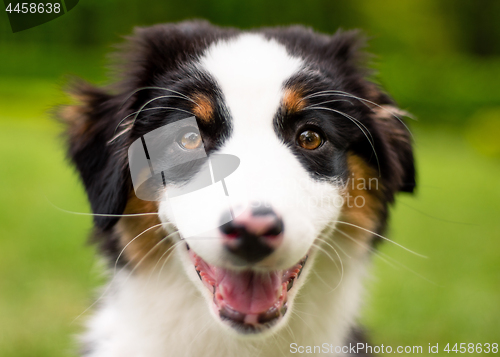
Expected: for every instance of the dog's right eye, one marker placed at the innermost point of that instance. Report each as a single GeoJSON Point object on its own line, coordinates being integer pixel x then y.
{"type": "Point", "coordinates": [309, 140]}
{"type": "Point", "coordinates": [190, 140]}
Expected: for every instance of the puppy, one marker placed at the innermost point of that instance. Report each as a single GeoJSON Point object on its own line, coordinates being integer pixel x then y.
{"type": "Point", "coordinates": [238, 180]}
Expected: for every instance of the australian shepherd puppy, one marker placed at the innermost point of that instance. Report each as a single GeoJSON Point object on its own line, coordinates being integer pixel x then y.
{"type": "Point", "coordinates": [238, 180]}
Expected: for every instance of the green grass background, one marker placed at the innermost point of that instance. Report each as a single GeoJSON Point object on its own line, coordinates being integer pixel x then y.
{"type": "Point", "coordinates": [48, 273]}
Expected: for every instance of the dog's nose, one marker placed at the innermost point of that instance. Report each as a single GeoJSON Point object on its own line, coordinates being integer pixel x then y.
{"type": "Point", "coordinates": [254, 234]}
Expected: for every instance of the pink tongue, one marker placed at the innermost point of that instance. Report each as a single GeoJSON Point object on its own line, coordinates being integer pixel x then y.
{"type": "Point", "coordinates": [249, 292]}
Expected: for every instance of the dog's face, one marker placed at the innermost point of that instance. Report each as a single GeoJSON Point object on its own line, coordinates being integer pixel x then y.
{"type": "Point", "coordinates": [298, 121]}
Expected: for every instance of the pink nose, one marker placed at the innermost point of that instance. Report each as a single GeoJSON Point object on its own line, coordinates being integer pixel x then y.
{"type": "Point", "coordinates": [254, 234]}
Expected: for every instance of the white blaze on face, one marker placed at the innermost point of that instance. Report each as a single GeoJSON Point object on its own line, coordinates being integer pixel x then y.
{"type": "Point", "coordinates": [251, 70]}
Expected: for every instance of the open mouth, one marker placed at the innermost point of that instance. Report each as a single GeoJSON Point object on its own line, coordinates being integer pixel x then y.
{"type": "Point", "coordinates": [249, 301]}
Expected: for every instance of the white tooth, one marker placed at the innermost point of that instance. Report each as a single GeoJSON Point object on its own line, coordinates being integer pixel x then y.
{"type": "Point", "coordinates": [280, 290]}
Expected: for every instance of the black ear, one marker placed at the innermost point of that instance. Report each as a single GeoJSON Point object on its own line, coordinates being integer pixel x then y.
{"type": "Point", "coordinates": [392, 138]}
{"type": "Point", "coordinates": [156, 50]}
{"type": "Point", "coordinates": [102, 164]}
{"type": "Point", "coordinates": [399, 165]}
{"type": "Point", "coordinates": [333, 53]}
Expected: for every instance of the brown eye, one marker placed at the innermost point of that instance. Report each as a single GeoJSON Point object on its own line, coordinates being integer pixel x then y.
{"type": "Point", "coordinates": [309, 140]}
{"type": "Point", "coordinates": [190, 140]}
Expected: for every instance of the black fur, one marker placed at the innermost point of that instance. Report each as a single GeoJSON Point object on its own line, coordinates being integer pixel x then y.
{"type": "Point", "coordinates": [101, 166]}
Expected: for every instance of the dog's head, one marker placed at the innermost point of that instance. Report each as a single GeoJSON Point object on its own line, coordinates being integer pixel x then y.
{"type": "Point", "coordinates": [291, 135]}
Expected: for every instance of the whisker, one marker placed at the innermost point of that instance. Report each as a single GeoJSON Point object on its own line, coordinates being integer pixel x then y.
{"type": "Point", "coordinates": [132, 240]}
{"type": "Point", "coordinates": [303, 312]}
{"type": "Point", "coordinates": [329, 101]}
{"type": "Point", "coordinates": [165, 253]}
{"type": "Point", "coordinates": [152, 100]}
{"type": "Point", "coordinates": [322, 237]}
{"type": "Point", "coordinates": [116, 136]}
{"type": "Point", "coordinates": [381, 236]}
{"type": "Point", "coordinates": [183, 96]}
{"type": "Point", "coordinates": [103, 214]}
{"type": "Point", "coordinates": [317, 94]}
{"type": "Point", "coordinates": [363, 100]}
{"type": "Point", "coordinates": [334, 262]}
{"type": "Point", "coordinates": [136, 113]}
{"type": "Point", "coordinates": [279, 345]}
{"type": "Point", "coordinates": [436, 218]}
{"type": "Point", "coordinates": [406, 267]}
{"type": "Point", "coordinates": [381, 255]}
{"type": "Point", "coordinates": [366, 246]}
{"type": "Point", "coordinates": [290, 332]}
{"type": "Point", "coordinates": [346, 115]}
{"type": "Point", "coordinates": [166, 260]}
{"type": "Point", "coordinates": [111, 215]}
{"type": "Point", "coordinates": [300, 317]}
{"type": "Point", "coordinates": [108, 287]}
{"type": "Point", "coordinates": [314, 106]}
{"type": "Point", "coordinates": [149, 252]}
{"type": "Point", "coordinates": [208, 324]}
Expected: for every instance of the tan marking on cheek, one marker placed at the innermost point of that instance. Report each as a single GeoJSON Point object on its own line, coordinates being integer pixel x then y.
{"type": "Point", "coordinates": [146, 249]}
{"type": "Point", "coordinates": [203, 109]}
{"type": "Point", "coordinates": [293, 100]}
{"type": "Point", "coordinates": [362, 202]}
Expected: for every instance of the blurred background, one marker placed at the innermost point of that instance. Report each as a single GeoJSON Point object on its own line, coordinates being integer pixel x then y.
{"type": "Point", "coordinates": [440, 59]}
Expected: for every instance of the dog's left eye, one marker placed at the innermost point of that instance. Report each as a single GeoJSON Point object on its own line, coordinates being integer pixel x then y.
{"type": "Point", "coordinates": [309, 140]}
{"type": "Point", "coordinates": [190, 140]}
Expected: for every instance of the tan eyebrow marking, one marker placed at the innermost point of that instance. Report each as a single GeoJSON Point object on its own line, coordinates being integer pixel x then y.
{"type": "Point", "coordinates": [292, 100]}
{"type": "Point", "coordinates": [204, 108]}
